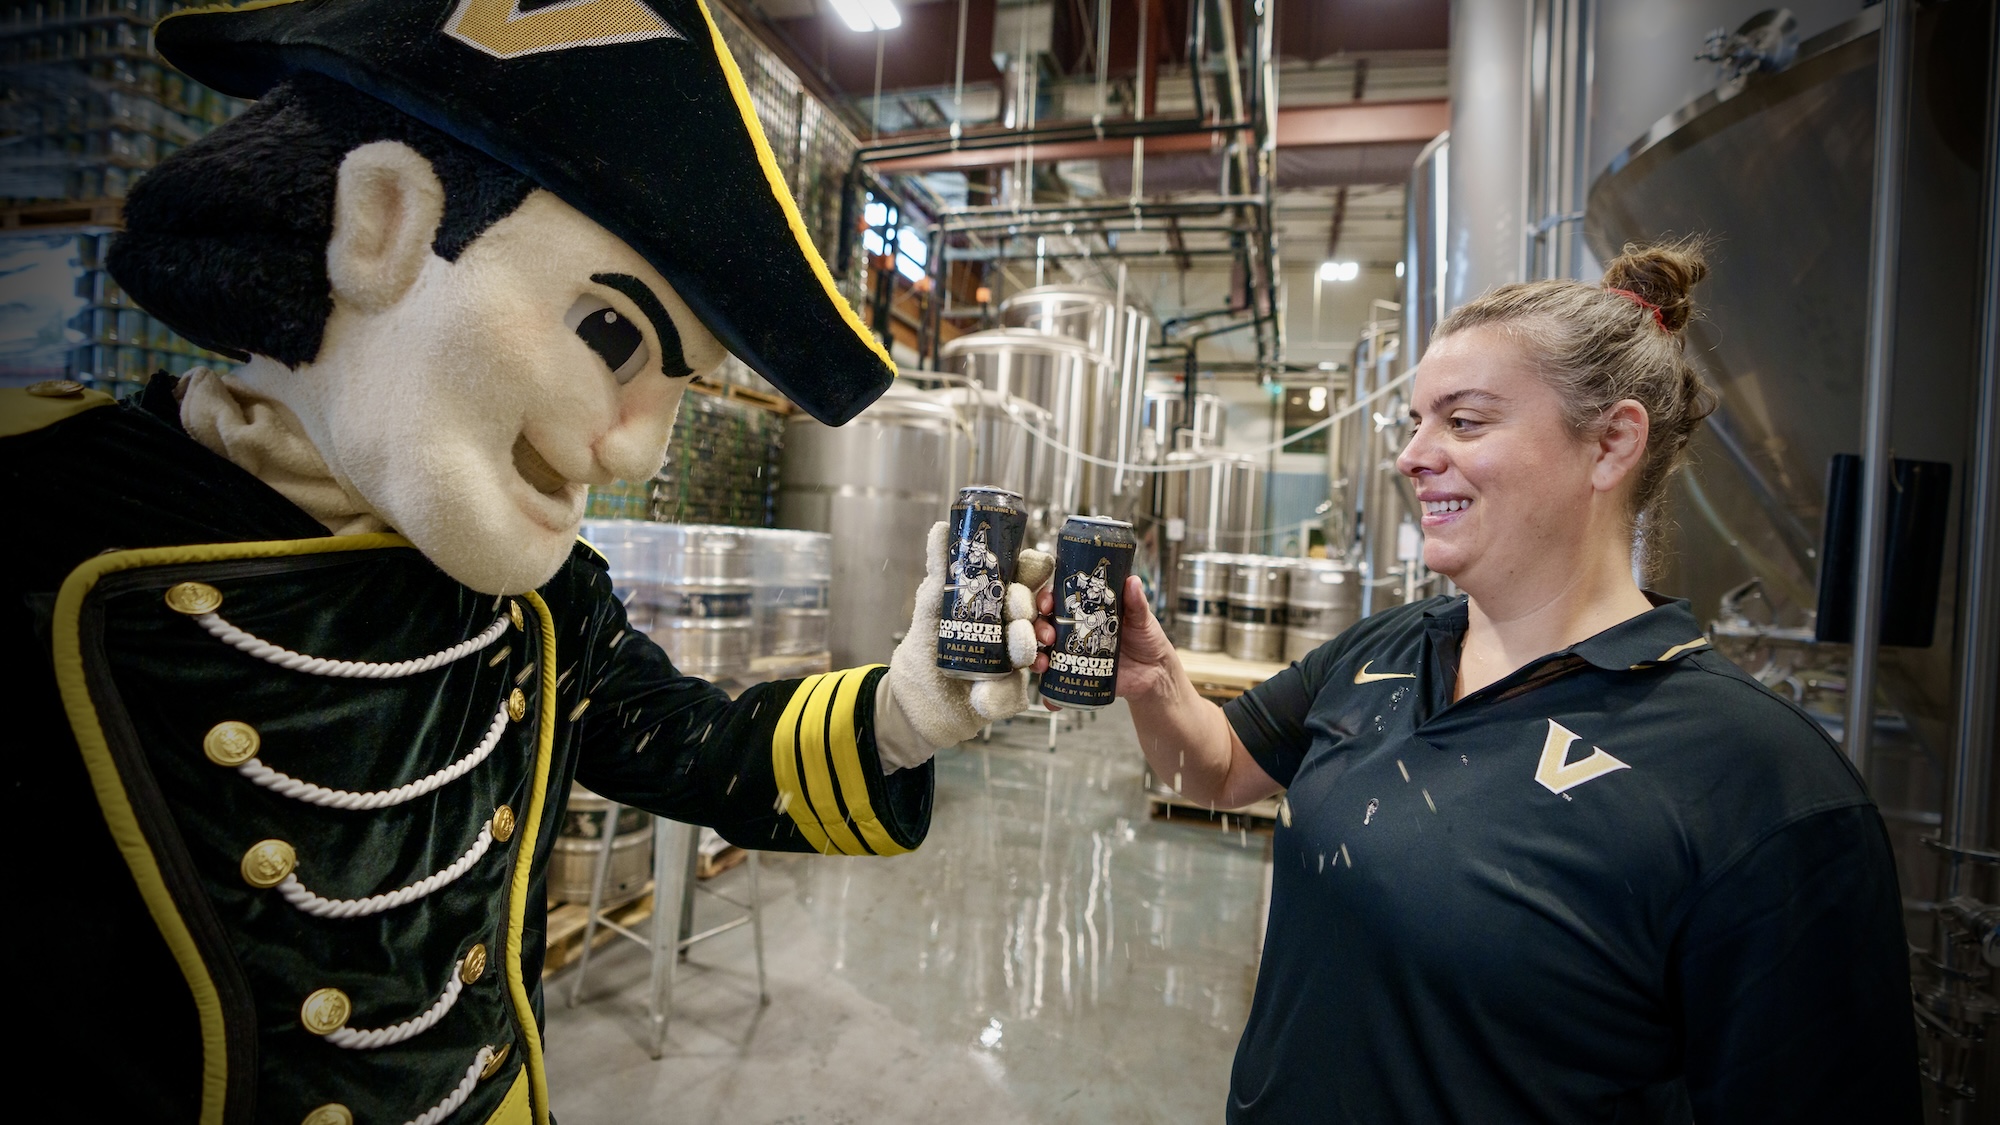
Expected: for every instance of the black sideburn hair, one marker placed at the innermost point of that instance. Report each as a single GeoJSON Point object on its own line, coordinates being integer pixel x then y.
{"type": "Point", "coordinates": [226, 240]}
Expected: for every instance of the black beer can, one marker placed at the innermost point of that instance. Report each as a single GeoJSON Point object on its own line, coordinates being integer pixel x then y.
{"type": "Point", "coordinates": [987, 525]}
{"type": "Point", "coordinates": [1093, 559]}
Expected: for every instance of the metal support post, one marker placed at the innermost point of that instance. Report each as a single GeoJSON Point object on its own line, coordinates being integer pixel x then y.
{"type": "Point", "coordinates": [1892, 111]}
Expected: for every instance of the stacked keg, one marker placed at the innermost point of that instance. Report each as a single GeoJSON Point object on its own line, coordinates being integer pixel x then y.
{"type": "Point", "coordinates": [791, 572]}
{"type": "Point", "coordinates": [1324, 601]}
{"type": "Point", "coordinates": [702, 612]}
{"type": "Point", "coordinates": [1258, 586]}
{"type": "Point", "coordinates": [687, 586]}
{"type": "Point", "coordinates": [1201, 610]}
{"type": "Point", "coordinates": [581, 841]}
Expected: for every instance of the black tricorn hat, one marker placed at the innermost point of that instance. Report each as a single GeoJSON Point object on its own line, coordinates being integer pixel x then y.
{"type": "Point", "coordinates": [631, 111]}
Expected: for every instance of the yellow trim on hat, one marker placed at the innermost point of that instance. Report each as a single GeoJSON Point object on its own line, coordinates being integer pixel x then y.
{"type": "Point", "coordinates": [783, 194]}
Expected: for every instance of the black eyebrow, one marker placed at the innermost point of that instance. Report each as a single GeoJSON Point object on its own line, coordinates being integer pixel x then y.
{"type": "Point", "coordinates": [663, 324]}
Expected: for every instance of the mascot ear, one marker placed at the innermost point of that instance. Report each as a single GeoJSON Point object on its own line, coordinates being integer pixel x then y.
{"type": "Point", "coordinates": [386, 207]}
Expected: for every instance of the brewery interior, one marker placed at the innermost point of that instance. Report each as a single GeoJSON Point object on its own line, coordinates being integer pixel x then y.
{"type": "Point", "coordinates": [1173, 262]}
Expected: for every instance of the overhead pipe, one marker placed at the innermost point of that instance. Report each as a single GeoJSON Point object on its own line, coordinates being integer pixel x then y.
{"type": "Point", "coordinates": [1892, 112]}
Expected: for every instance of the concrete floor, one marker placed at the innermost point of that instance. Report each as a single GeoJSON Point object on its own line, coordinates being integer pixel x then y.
{"type": "Point", "coordinates": [1049, 955]}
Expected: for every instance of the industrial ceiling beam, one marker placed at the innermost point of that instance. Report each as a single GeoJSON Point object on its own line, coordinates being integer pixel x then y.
{"type": "Point", "coordinates": [1404, 122]}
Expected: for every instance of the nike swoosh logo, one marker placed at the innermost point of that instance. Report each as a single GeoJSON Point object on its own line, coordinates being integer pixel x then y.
{"type": "Point", "coordinates": [1366, 677]}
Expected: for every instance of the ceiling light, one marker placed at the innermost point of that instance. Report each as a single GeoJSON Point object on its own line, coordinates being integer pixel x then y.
{"type": "Point", "coordinates": [853, 13]}
{"type": "Point", "coordinates": [884, 13]}
{"type": "Point", "coordinates": [1339, 271]}
{"type": "Point", "coordinates": [1399, 269]}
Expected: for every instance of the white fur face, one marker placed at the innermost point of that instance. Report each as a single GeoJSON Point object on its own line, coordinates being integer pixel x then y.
{"type": "Point", "coordinates": [470, 403]}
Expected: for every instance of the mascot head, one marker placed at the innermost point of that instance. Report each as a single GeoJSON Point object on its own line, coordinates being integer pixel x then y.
{"type": "Point", "coordinates": [474, 251]}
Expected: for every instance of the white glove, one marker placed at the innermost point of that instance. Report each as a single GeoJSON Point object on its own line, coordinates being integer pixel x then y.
{"type": "Point", "coordinates": [918, 708]}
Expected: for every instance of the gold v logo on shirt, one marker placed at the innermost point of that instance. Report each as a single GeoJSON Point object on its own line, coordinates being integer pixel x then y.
{"type": "Point", "coordinates": [1366, 677]}
{"type": "Point", "coordinates": [501, 29]}
{"type": "Point", "coordinates": [1557, 773]}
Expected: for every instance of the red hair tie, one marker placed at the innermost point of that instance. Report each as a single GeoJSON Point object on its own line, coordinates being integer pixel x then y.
{"type": "Point", "coordinates": [1658, 317]}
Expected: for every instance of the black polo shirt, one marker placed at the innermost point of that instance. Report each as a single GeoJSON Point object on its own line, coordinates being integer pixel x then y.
{"type": "Point", "coordinates": [1625, 883]}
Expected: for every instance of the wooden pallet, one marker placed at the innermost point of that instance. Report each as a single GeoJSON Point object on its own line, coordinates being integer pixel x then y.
{"type": "Point", "coordinates": [762, 400]}
{"type": "Point", "coordinates": [567, 922]}
{"type": "Point", "coordinates": [1165, 804]}
{"type": "Point", "coordinates": [63, 213]}
{"type": "Point", "coordinates": [567, 919]}
{"type": "Point", "coordinates": [1220, 676]}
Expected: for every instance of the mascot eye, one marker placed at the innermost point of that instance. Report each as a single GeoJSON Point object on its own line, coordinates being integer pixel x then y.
{"type": "Point", "coordinates": [612, 335]}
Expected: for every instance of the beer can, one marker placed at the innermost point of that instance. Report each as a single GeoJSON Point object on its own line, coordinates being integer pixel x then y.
{"type": "Point", "coordinates": [987, 525]}
{"type": "Point", "coordinates": [1093, 559]}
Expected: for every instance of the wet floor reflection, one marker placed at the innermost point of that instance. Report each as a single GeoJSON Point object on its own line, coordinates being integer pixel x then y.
{"type": "Point", "coordinates": [1095, 963]}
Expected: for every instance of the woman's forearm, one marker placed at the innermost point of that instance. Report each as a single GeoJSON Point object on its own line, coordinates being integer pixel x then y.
{"type": "Point", "coordinates": [1189, 743]}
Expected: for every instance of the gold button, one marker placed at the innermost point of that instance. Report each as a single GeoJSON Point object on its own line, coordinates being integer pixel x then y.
{"type": "Point", "coordinates": [194, 598]}
{"type": "Point", "coordinates": [325, 1011]}
{"type": "Point", "coordinates": [514, 615]}
{"type": "Point", "coordinates": [503, 824]}
{"type": "Point", "coordinates": [55, 388]}
{"type": "Point", "coordinates": [267, 863]}
{"type": "Point", "coordinates": [332, 1113]}
{"type": "Point", "coordinates": [474, 965]}
{"type": "Point", "coordinates": [493, 1064]}
{"type": "Point", "coordinates": [230, 743]}
{"type": "Point", "coordinates": [517, 705]}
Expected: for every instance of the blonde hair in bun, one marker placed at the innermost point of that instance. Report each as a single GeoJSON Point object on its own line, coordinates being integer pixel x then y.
{"type": "Point", "coordinates": [1622, 339]}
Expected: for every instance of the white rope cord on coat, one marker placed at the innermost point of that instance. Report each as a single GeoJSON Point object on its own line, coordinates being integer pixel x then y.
{"type": "Point", "coordinates": [345, 669]}
{"type": "Point", "coordinates": [457, 1097]}
{"type": "Point", "coordinates": [296, 893]}
{"type": "Point", "coordinates": [287, 786]}
{"type": "Point", "coordinates": [409, 1029]}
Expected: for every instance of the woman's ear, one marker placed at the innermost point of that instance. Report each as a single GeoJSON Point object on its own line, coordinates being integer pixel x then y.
{"type": "Point", "coordinates": [386, 206]}
{"type": "Point", "coordinates": [1621, 446]}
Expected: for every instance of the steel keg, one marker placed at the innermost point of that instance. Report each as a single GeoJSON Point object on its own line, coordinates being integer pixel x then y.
{"type": "Point", "coordinates": [791, 572]}
{"type": "Point", "coordinates": [579, 843]}
{"type": "Point", "coordinates": [631, 551]}
{"type": "Point", "coordinates": [702, 611]}
{"type": "Point", "coordinates": [1258, 585]}
{"type": "Point", "coordinates": [1201, 607]}
{"type": "Point", "coordinates": [1325, 600]}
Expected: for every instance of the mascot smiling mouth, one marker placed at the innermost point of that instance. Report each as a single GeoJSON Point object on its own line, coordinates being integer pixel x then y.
{"type": "Point", "coordinates": [535, 469]}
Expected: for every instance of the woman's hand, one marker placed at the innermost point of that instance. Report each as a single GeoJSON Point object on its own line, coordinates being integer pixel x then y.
{"type": "Point", "coordinates": [1146, 662]}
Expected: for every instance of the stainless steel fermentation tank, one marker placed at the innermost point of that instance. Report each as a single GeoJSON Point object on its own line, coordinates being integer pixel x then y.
{"type": "Point", "coordinates": [1066, 382]}
{"type": "Point", "coordinates": [1117, 334]}
{"type": "Point", "coordinates": [1164, 426]}
{"type": "Point", "coordinates": [1776, 168]}
{"type": "Point", "coordinates": [1222, 498]}
{"type": "Point", "coordinates": [877, 484]}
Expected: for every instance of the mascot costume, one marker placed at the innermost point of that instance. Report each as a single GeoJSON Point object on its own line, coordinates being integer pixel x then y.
{"type": "Point", "coordinates": [315, 651]}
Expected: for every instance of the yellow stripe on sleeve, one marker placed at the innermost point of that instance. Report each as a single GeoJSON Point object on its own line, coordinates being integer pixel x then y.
{"type": "Point", "coordinates": [812, 755]}
{"type": "Point", "coordinates": [847, 765]}
{"type": "Point", "coordinates": [784, 767]}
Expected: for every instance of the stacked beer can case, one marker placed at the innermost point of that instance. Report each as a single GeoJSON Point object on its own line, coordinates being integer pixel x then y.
{"type": "Point", "coordinates": [87, 109]}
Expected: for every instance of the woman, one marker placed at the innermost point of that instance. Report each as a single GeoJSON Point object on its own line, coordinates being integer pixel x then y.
{"type": "Point", "coordinates": [1544, 854]}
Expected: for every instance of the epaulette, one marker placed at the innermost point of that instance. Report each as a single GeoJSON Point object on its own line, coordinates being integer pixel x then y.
{"type": "Point", "coordinates": [23, 410]}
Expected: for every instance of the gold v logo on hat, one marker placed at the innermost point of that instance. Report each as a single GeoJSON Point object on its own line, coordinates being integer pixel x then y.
{"type": "Point", "coordinates": [1557, 773]}
{"type": "Point", "coordinates": [501, 29]}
